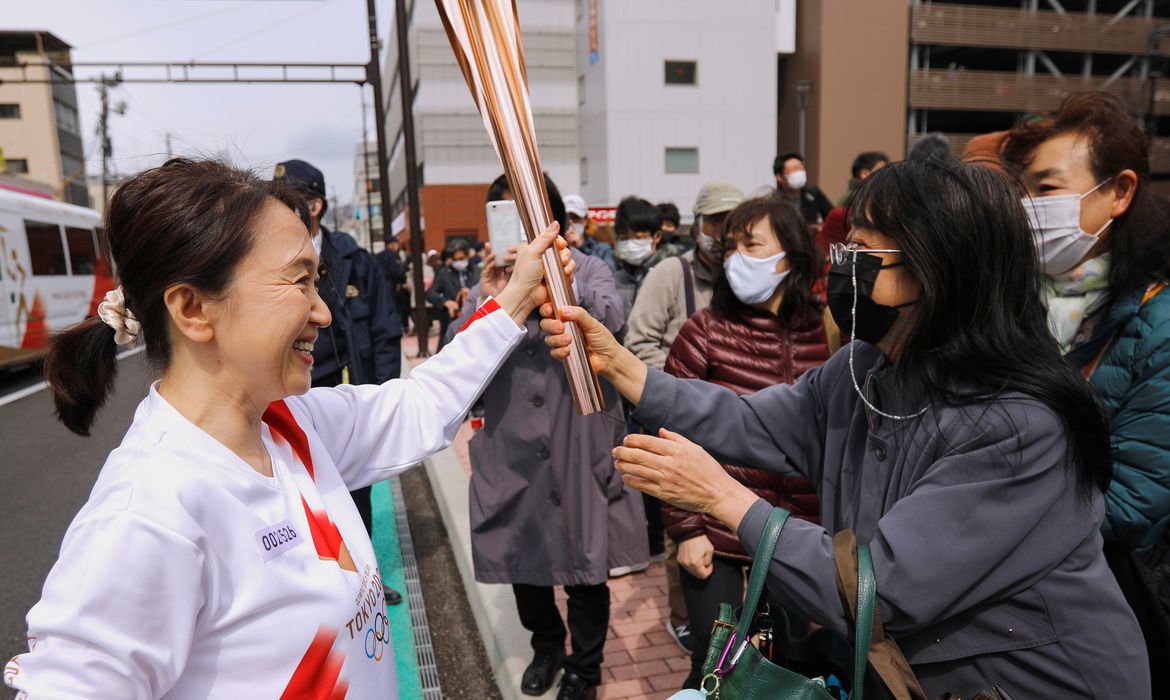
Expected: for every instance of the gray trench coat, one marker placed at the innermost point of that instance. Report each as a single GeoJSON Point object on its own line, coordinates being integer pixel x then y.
{"type": "Point", "coordinates": [987, 557]}
{"type": "Point", "coordinates": [547, 506]}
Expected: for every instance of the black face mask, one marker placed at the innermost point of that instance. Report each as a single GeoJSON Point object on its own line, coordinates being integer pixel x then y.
{"type": "Point", "coordinates": [873, 320]}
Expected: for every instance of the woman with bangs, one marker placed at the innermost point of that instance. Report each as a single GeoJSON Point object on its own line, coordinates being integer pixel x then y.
{"type": "Point", "coordinates": [950, 436]}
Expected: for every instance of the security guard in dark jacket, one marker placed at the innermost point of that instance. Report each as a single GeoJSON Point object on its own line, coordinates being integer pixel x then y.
{"type": "Point", "coordinates": [362, 345]}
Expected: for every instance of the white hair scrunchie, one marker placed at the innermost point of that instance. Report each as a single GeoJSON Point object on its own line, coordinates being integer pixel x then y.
{"type": "Point", "coordinates": [113, 312]}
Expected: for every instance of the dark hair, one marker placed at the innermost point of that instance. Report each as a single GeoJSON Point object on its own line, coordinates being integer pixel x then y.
{"type": "Point", "coordinates": [982, 327]}
{"type": "Point", "coordinates": [184, 222]}
{"type": "Point", "coordinates": [461, 245]}
{"type": "Point", "coordinates": [934, 144]}
{"type": "Point", "coordinates": [669, 213]}
{"type": "Point", "coordinates": [867, 161]}
{"type": "Point", "coordinates": [778, 164]}
{"type": "Point", "coordinates": [805, 264]}
{"type": "Point", "coordinates": [500, 185]}
{"type": "Point", "coordinates": [636, 214]}
{"type": "Point", "coordinates": [1139, 242]}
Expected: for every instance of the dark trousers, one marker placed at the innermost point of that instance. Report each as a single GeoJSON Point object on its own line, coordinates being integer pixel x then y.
{"type": "Point", "coordinates": [724, 585]}
{"type": "Point", "coordinates": [361, 499]}
{"type": "Point", "coordinates": [444, 322]}
{"type": "Point", "coordinates": [655, 530]}
{"type": "Point", "coordinates": [588, 624]}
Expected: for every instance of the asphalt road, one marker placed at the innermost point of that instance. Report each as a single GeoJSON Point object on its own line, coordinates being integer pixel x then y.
{"type": "Point", "coordinates": [47, 473]}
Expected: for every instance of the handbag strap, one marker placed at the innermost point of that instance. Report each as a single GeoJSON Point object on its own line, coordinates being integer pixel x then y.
{"type": "Point", "coordinates": [759, 574]}
{"type": "Point", "coordinates": [884, 656]}
{"type": "Point", "coordinates": [688, 286]}
{"type": "Point", "coordinates": [866, 595]}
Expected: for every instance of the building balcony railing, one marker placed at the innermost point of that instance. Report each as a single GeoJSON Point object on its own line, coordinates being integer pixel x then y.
{"type": "Point", "coordinates": [1002, 91]}
{"type": "Point", "coordinates": [1000, 27]}
{"type": "Point", "coordinates": [1159, 150]}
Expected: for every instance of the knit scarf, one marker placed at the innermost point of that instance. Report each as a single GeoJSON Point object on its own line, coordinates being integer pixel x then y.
{"type": "Point", "coordinates": [1075, 296]}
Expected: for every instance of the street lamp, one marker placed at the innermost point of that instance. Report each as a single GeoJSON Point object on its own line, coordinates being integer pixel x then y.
{"type": "Point", "coordinates": [803, 93]}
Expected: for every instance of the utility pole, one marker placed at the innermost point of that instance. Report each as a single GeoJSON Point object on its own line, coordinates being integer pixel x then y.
{"type": "Point", "coordinates": [170, 153]}
{"type": "Point", "coordinates": [104, 130]}
{"type": "Point", "coordinates": [421, 322]}
{"type": "Point", "coordinates": [366, 170]}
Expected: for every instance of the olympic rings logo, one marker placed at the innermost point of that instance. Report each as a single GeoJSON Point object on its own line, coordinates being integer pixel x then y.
{"type": "Point", "coordinates": [377, 637]}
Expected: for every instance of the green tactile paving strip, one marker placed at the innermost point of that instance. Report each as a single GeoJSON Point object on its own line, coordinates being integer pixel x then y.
{"type": "Point", "coordinates": [428, 669]}
{"type": "Point", "coordinates": [386, 548]}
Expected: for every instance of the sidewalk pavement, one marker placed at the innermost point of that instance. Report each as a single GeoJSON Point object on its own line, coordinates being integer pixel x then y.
{"type": "Point", "coordinates": [641, 659]}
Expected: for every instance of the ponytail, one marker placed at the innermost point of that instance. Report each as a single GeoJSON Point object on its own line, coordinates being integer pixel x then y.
{"type": "Point", "coordinates": [80, 369]}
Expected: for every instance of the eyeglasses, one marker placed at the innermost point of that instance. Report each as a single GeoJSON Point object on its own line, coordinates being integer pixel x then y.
{"type": "Point", "coordinates": [840, 252]}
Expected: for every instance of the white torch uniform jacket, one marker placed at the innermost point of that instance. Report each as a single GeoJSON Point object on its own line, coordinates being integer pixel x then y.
{"type": "Point", "coordinates": [189, 575]}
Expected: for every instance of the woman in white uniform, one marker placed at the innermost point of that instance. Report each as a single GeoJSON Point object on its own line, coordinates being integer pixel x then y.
{"type": "Point", "coordinates": [219, 554]}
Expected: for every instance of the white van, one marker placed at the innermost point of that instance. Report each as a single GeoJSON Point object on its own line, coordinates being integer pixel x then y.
{"type": "Point", "coordinates": [53, 272]}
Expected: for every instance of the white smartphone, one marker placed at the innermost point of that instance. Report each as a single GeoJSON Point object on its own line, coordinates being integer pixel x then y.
{"type": "Point", "coordinates": [504, 227]}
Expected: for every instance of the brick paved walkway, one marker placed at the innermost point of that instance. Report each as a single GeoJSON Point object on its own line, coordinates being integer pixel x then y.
{"type": "Point", "coordinates": [641, 659]}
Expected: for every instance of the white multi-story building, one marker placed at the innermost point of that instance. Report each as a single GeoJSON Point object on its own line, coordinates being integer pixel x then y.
{"type": "Point", "coordinates": [645, 97]}
{"type": "Point", "coordinates": [366, 212]}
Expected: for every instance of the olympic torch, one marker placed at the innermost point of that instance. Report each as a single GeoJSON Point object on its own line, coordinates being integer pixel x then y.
{"type": "Point", "coordinates": [485, 35]}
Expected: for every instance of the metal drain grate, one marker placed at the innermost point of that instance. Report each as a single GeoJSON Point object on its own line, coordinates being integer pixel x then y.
{"type": "Point", "coordinates": [428, 670]}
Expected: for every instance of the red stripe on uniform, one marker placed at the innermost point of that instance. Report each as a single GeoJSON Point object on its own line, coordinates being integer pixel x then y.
{"type": "Point", "coordinates": [280, 420]}
{"type": "Point", "coordinates": [488, 306]}
{"type": "Point", "coordinates": [316, 676]}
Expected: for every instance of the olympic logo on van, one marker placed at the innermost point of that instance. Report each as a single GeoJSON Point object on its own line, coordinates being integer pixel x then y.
{"type": "Point", "coordinates": [377, 637]}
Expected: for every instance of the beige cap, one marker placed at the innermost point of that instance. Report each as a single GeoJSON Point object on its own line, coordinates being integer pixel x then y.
{"type": "Point", "coordinates": [716, 198]}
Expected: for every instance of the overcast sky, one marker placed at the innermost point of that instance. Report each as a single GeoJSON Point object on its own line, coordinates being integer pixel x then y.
{"type": "Point", "coordinates": [254, 125]}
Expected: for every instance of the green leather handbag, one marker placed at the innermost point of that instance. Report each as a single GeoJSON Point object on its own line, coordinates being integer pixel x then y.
{"type": "Point", "coordinates": [736, 670]}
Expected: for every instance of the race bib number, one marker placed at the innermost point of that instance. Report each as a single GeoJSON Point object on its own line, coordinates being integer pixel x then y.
{"type": "Point", "coordinates": [277, 539]}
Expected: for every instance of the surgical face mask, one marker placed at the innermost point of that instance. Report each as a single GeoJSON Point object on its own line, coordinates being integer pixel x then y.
{"type": "Point", "coordinates": [460, 265]}
{"type": "Point", "coordinates": [579, 228]}
{"type": "Point", "coordinates": [797, 180]}
{"type": "Point", "coordinates": [711, 247]}
{"type": "Point", "coordinates": [635, 251]}
{"type": "Point", "coordinates": [1056, 230]}
{"type": "Point", "coordinates": [753, 280]}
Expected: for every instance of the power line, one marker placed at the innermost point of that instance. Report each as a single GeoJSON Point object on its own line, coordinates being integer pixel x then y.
{"type": "Point", "coordinates": [262, 30]}
{"type": "Point", "coordinates": [167, 25]}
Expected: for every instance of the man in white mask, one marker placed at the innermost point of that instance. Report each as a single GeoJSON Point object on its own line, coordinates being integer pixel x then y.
{"type": "Point", "coordinates": [672, 292]}
{"type": "Point", "coordinates": [579, 233]}
{"type": "Point", "coordinates": [792, 182]}
{"type": "Point", "coordinates": [637, 225]}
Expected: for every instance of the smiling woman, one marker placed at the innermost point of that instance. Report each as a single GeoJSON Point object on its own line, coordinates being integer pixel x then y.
{"type": "Point", "coordinates": [220, 554]}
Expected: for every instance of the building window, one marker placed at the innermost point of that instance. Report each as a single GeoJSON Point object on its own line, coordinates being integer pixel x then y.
{"type": "Point", "coordinates": [72, 168]}
{"type": "Point", "coordinates": [580, 90]}
{"type": "Point", "coordinates": [66, 117]}
{"type": "Point", "coordinates": [16, 166]}
{"type": "Point", "coordinates": [584, 171]}
{"type": "Point", "coordinates": [680, 161]}
{"type": "Point", "coordinates": [9, 111]}
{"type": "Point", "coordinates": [44, 248]}
{"type": "Point", "coordinates": [82, 254]}
{"type": "Point", "coordinates": [680, 72]}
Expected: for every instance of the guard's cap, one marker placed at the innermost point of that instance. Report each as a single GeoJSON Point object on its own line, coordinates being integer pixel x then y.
{"type": "Point", "coordinates": [717, 198]}
{"type": "Point", "coordinates": [299, 174]}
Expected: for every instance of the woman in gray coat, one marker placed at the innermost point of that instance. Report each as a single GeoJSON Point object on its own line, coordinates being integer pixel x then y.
{"type": "Point", "coordinates": [950, 435]}
{"type": "Point", "coordinates": [547, 507]}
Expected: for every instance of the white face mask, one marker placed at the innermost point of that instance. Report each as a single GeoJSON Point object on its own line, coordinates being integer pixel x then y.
{"type": "Point", "coordinates": [1056, 230]}
{"type": "Point", "coordinates": [754, 280]}
{"type": "Point", "coordinates": [579, 228]}
{"type": "Point", "coordinates": [635, 251]}
{"type": "Point", "coordinates": [459, 265]}
{"type": "Point", "coordinates": [797, 180]}
{"type": "Point", "coordinates": [710, 247]}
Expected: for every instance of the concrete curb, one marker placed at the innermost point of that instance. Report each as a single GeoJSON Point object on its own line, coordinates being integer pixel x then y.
{"type": "Point", "coordinates": [494, 607]}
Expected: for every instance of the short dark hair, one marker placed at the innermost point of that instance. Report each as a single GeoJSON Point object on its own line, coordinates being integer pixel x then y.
{"type": "Point", "coordinates": [868, 161]}
{"type": "Point", "coordinates": [934, 144]}
{"type": "Point", "coordinates": [184, 222]}
{"type": "Point", "coordinates": [461, 246]}
{"type": "Point", "coordinates": [500, 185]}
{"type": "Point", "coordinates": [636, 214]}
{"type": "Point", "coordinates": [669, 213]}
{"type": "Point", "coordinates": [778, 164]}
{"type": "Point", "coordinates": [805, 262]}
